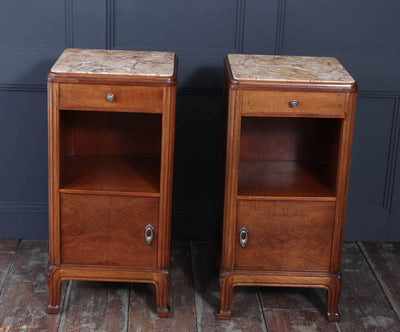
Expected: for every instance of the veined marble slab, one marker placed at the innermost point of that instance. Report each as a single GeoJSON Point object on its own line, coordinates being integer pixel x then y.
{"type": "Point", "coordinates": [114, 62]}
{"type": "Point", "coordinates": [248, 67]}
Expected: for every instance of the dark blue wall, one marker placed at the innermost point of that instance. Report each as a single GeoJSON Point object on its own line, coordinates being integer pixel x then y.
{"type": "Point", "coordinates": [363, 34]}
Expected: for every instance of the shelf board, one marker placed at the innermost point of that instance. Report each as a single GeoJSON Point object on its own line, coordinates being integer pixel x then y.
{"type": "Point", "coordinates": [113, 174]}
{"type": "Point", "coordinates": [291, 180]}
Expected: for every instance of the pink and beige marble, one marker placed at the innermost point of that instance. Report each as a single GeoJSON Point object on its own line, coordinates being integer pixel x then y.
{"type": "Point", "coordinates": [248, 67]}
{"type": "Point", "coordinates": [113, 62]}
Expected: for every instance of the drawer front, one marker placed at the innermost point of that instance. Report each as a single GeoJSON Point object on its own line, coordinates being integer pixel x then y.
{"type": "Point", "coordinates": [275, 103]}
{"type": "Point", "coordinates": [128, 98]}
{"type": "Point", "coordinates": [108, 230]}
{"type": "Point", "coordinates": [285, 235]}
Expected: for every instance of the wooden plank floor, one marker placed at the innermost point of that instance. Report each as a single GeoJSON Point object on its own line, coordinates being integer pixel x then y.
{"type": "Point", "coordinates": [370, 299]}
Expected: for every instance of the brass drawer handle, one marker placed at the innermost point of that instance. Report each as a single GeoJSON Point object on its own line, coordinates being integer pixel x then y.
{"type": "Point", "coordinates": [294, 103]}
{"type": "Point", "coordinates": [243, 237]}
{"type": "Point", "coordinates": [148, 234]}
{"type": "Point", "coordinates": [110, 97]}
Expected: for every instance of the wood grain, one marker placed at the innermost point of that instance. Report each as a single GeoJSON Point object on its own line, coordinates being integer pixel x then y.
{"type": "Point", "coordinates": [246, 311]}
{"type": "Point", "coordinates": [54, 159]}
{"type": "Point", "coordinates": [181, 299]}
{"type": "Point", "coordinates": [9, 245]}
{"type": "Point", "coordinates": [8, 248]}
{"type": "Point", "coordinates": [384, 259]}
{"type": "Point", "coordinates": [276, 103]}
{"type": "Point", "coordinates": [298, 321]}
{"type": "Point", "coordinates": [342, 179]}
{"type": "Point", "coordinates": [293, 299]}
{"type": "Point", "coordinates": [127, 98]}
{"type": "Point", "coordinates": [96, 306]}
{"type": "Point", "coordinates": [278, 139]}
{"type": "Point", "coordinates": [284, 178]}
{"type": "Point", "coordinates": [370, 284]}
{"type": "Point", "coordinates": [285, 235]}
{"type": "Point", "coordinates": [363, 305]}
{"type": "Point", "coordinates": [231, 179]}
{"type": "Point", "coordinates": [111, 173]}
{"type": "Point", "coordinates": [166, 176]}
{"type": "Point", "coordinates": [24, 295]}
{"type": "Point", "coordinates": [295, 153]}
{"type": "Point", "coordinates": [115, 161]}
{"type": "Point", "coordinates": [108, 230]}
{"type": "Point", "coordinates": [295, 309]}
{"type": "Point", "coordinates": [111, 134]}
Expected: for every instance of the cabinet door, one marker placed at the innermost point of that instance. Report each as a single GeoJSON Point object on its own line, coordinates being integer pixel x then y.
{"type": "Point", "coordinates": [108, 230]}
{"type": "Point", "coordinates": [284, 235]}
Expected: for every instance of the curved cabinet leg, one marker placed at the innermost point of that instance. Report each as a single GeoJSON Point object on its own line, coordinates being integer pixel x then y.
{"type": "Point", "coordinates": [162, 287]}
{"type": "Point", "coordinates": [54, 285]}
{"type": "Point", "coordinates": [332, 299]}
{"type": "Point", "coordinates": [226, 289]}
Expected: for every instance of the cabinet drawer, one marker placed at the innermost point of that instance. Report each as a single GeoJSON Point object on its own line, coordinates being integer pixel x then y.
{"type": "Point", "coordinates": [128, 98]}
{"type": "Point", "coordinates": [285, 235]}
{"type": "Point", "coordinates": [108, 230]}
{"type": "Point", "coordinates": [276, 103]}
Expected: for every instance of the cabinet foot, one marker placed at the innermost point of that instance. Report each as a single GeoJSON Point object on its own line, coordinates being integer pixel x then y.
{"type": "Point", "coordinates": [52, 309]}
{"type": "Point", "coordinates": [54, 285]}
{"type": "Point", "coordinates": [333, 316]}
{"type": "Point", "coordinates": [332, 298]}
{"type": "Point", "coordinates": [163, 312]}
{"type": "Point", "coordinates": [226, 290]}
{"type": "Point", "coordinates": [223, 314]}
{"type": "Point", "coordinates": [162, 287]}
{"type": "Point", "coordinates": [55, 275]}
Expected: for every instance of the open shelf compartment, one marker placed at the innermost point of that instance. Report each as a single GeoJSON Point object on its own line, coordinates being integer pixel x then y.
{"type": "Point", "coordinates": [110, 152]}
{"type": "Point", "coordinates": [288, 158]}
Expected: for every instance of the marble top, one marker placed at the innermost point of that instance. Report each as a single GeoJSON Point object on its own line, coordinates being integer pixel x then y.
{"type": "Point", "coordinates": [248, 67]}
{"type": "Point", "coordinates": [113, 62]}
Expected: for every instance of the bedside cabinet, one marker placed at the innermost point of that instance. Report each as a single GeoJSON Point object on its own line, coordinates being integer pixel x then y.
{"type": "Point", "coordinates": [111, 117]}
{"type": "Point", "coordinates": [289, 127]}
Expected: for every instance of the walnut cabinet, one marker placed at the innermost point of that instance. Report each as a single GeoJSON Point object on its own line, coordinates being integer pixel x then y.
{"type": "Point", "coordinates": [111, 117]}
{"type": "Point", "coordinates": [289, 126]}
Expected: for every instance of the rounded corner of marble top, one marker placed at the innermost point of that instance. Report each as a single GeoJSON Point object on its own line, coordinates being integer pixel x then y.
{"type": "Point", "coordinates": [281, 69]}
{"type": "Point", "coordinates": [146, 65]}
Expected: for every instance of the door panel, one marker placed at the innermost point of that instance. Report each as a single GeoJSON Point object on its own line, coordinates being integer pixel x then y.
{"type": "Point", "coordinates": [285, 235]}
{"type": "Point", "coordinates": [108, 230]}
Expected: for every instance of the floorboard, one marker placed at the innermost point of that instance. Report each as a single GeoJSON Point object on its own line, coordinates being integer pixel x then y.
{"type": "Point", "coordinates": [384, 260]}
{"type": "Point", "coordinates": [246, 310]}
{"type": "Point", "coordinates": [7, 252]}
{"type": "Point", "coordinates": [24, 296]}
{"type": "Point", "coordinates": [369, 300]}
{"type": "Point", "coordinates": [363, 306]}
{"type": "Point", "coordinates": [295, 309]}
{"type": "Point", "coordinates": [96, 306]}
{"type": "Point", "coordinates": [143, 317]}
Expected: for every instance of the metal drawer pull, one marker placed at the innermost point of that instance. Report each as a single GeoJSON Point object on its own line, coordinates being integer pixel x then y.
{"type": "Point", "coordinates": [148, 234]}
{"type": "Point", "coordinates": [294, 103]}
{"type": "Point", "coordinates": [243, 237]}
{"type": "Point", "coordinates": [110, 97]}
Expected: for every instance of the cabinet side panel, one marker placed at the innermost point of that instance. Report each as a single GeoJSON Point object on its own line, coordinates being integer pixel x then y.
{"type": "Point", "coordinates": [231, 179]}
{"type": "Point", "coordinates": [222, 161]}
{"type": "Point", "coordinates": [54, 172]}
{"type": "Point", "coordinates": [167, 164]}
{"type": "Point", "coordinates": [342, 180]}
